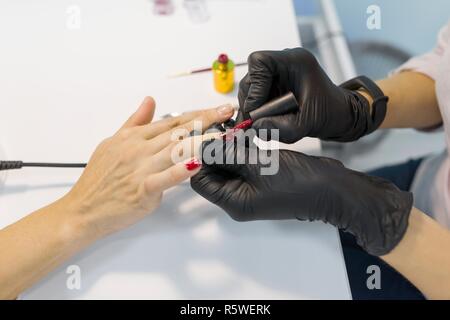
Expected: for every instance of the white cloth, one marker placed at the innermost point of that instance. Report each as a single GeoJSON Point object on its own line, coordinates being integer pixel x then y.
{"type": "Point", "coordinates": [431, 186]}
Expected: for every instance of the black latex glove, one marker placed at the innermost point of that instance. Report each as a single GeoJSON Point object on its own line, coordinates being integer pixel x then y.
{"type": "Point", "coordinates": [326, 111]}
{"type": "Point", "coordinates": [308, 188]}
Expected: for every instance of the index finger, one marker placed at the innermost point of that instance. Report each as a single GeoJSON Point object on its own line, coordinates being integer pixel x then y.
{"type": "Point", "coordinates": [186, 121]}
{"type": "Point", "coordinates": [260, 79]}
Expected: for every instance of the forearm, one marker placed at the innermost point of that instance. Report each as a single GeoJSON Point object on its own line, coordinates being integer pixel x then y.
{"type": "Point", "coordinates": [412, 101]}
{"type": "Point", "coordinates": [35, 245]}
{"type": "Point", "coordinates": [423, 256]}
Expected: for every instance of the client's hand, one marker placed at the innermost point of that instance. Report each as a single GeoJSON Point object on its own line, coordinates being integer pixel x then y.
{"type": "Point", "coordinates": [123, 182]}
{"type": "Point", "coordinates": [128, 172]}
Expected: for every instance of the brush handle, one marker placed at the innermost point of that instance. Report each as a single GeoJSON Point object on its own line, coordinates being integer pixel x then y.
{"type": "Point", "coordinates": [282, 105]}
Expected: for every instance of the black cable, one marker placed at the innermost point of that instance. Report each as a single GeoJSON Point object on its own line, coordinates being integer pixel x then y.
{"type": "Point", "coordinates": [13, 165]}
{"type": "Point", "coordinates": [54, 165]}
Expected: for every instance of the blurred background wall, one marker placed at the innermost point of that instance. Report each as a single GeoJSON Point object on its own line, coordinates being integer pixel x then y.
{"type": "Point", "coordinates": [409, 24]}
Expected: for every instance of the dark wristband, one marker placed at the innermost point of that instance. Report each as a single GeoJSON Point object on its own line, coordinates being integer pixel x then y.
{"type": "Point", "coordinates": [379, 104]}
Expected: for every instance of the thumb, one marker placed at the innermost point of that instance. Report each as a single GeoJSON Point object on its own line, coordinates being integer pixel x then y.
{"type": "Point", "coordinates": [282, 128]}
{"type": "Point", "coordinates": [259, 82]}
{"type": "Point", "coordinates": [143, 115]}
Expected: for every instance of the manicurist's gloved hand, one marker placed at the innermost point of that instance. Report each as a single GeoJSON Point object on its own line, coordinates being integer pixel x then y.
{"type": "Point", "coordinates": [306, 188]}
{"type": "Point", "coordinates": [327, 111]}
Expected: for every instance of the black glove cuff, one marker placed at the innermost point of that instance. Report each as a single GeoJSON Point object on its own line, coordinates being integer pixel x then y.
{"type": "Point", "coordinates": [361, 119]}
{"type": "Point", "coordinates": [385, 233]}
{"type": "Point", "coordinates": [371, 122]}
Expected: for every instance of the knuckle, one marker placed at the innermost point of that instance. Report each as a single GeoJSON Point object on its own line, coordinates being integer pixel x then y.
{"type": "Point", "coordinates": [304, 56]}
{"type": "Point", "coordinates": [150, 186]}
{"type": "Point", "coordinates": [178, 134]}
{"type": "Point", "coordinates": [174, 175]}
{"type": "Point", "coordinates": [182, 131]}
{"type": "Point", "coordinates": [174, 122]}
{"type": "Point", "coordinates": [256, 57]}
{"type": "Point", "coordinates": [125, 134]}
{"type": "Point", "coordinates": [121, 160]}
{"type": "Point", "coordinates": [208, 118]}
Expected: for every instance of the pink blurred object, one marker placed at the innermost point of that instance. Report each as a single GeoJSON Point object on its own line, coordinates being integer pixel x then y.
{"type": "Point", "coordinates": [163, 7]}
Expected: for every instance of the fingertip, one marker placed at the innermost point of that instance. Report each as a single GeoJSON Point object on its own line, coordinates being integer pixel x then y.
{"type": "Point", "coordinates": [193, 165]}
{"type": "Point", "coordinates": [149, 100]}
{"type": "Point", "coordinates": [225, 111]}
{"type": "Point", "coordinates": [143, 115]}
{"type": "Point", "coordinates": [146, 109]}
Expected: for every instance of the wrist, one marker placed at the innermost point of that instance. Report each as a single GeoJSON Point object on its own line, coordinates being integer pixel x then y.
{"type": "Point", "coordinates": [73, 226]}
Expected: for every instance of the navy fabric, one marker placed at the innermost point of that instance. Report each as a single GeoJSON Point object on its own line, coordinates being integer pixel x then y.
{"type": "Point", "coordinates": [393, 285]}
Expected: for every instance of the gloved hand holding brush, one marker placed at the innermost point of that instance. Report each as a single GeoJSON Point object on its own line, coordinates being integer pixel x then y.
{"type": "Point", "coordinates": [326, 111]}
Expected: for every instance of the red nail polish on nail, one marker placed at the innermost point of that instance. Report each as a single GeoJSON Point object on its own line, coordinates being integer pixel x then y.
{"type": "Point", "coordinates": [193, 164]}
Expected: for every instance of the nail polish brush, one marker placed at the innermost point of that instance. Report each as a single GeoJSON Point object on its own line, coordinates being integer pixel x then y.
{"type": "Point", "coordinates": [282, 105]}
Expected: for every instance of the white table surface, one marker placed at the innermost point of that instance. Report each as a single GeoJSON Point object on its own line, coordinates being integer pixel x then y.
{"type": "Point", "coordinates": [64, 90]}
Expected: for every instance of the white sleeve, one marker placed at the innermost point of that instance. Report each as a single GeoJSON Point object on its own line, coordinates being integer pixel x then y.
{"type": "Point", "coordinates": [428, 63]}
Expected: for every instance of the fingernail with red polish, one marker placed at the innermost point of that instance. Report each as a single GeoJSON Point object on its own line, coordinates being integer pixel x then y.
{"type": "Point", "coordinates": [193, 164]}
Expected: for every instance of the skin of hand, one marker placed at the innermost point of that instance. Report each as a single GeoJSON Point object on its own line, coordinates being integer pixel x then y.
{"type": "Point", "coordinates": [327, 111]}
{"type": "Point", "coordinates": [422, 256]}
{"type": "Point", "coordinates": [412, 101]}
{"type": "Point", "coordinates": [128, 172]}
{"type": "Point", "coordinates": [123, 182]}
{"type": "Point", "coordinates": [310, 188]}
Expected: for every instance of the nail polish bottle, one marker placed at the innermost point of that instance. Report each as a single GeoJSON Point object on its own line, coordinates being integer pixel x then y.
{"type": "Point", "coordinates": [223, 73]}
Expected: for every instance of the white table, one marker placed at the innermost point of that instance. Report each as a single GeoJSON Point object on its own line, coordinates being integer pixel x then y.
{"type": "Point", "coordinates": [64, 90]}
